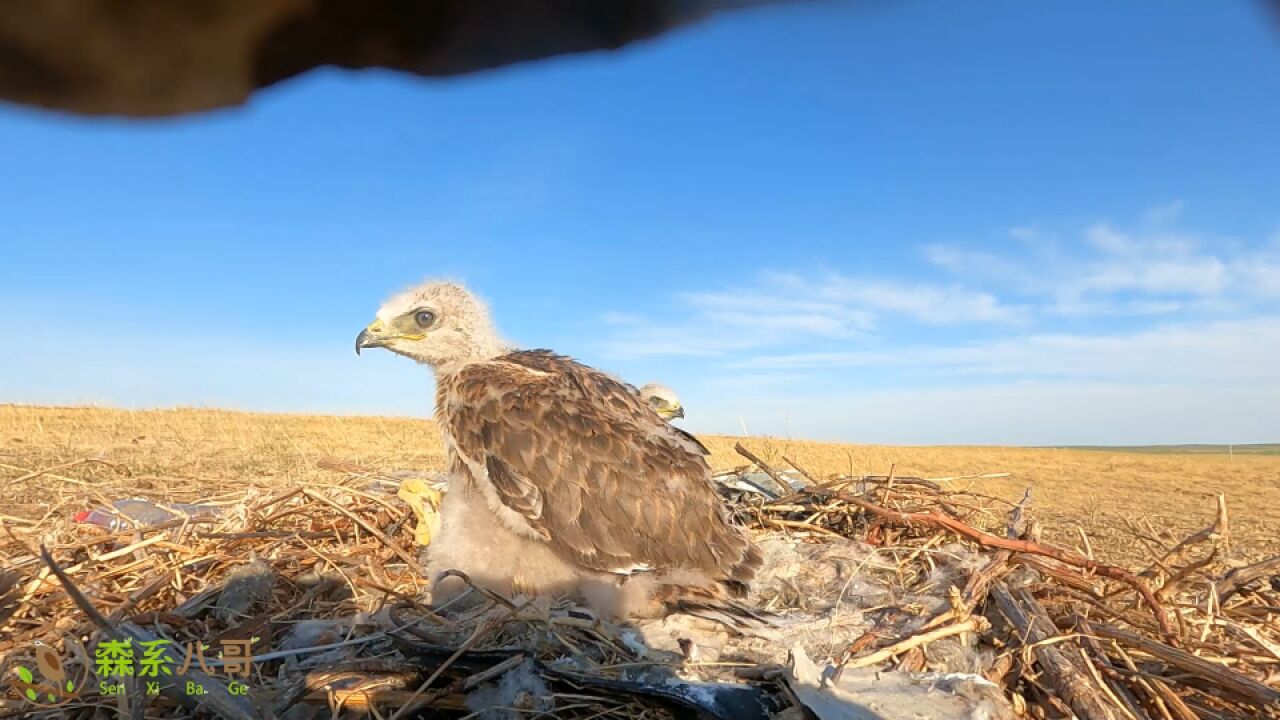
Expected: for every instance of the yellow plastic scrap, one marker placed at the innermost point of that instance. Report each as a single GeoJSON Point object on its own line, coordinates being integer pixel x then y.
{"type": "Point", "coordinates": [424, 498]}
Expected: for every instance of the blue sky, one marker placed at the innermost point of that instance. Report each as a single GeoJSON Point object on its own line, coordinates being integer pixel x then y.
{"type": "Point", "coordinates": [903, 222]}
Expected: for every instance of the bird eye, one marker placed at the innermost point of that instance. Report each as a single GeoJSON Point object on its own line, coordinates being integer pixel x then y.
{"type": "Point", "coordinates": [424, 318]}
{"type": "Point", "coordinates": [655, 401]}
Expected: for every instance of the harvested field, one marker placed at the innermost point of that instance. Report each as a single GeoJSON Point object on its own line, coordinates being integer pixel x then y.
{"type": "Point", "coordinates": [1126, 588]}
{"type": "Point", "coordinates": [184, 454]}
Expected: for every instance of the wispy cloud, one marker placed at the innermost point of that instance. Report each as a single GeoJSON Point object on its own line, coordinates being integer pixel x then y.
{"type": "Point", "coordinates": [1020, 413]}
{"type": "Point", "coordinates": [783, 308]}
{"type": "Point", "coordinates": [976, 263]}
{"type": "Point", "coordinates": [1214, 352]}
{"type": "Point", "coordinates": [1259, 273]}
{"type": "Point", "coordinates": [1151, 269]}
{"type": "Point", "coordinates": [1163, 215]}
{"type": "Point", "coordinates": [1107, 332]}
{"type": "Point", "coordinates": [1160, 265]}
{"type": "Point", "coordinates": [934, 304]}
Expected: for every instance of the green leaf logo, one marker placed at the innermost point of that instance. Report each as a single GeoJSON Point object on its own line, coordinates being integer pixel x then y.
{"type": "Point", "coordinates": [31, 693]}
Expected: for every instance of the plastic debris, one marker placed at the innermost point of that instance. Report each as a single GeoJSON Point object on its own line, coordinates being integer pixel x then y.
{"type": "Point", "coordinates": [141, 513]}
{"type": "Point", "coordinates": [760, 483]}
{"type": "Point", "coordinates": [870, 694]}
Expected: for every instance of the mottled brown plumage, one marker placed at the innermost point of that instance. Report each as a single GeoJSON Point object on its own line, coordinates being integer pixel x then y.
{"type": "Point", "coordinates": [562, 478]}
{"type": "Point", "coordinates": [589, 467]}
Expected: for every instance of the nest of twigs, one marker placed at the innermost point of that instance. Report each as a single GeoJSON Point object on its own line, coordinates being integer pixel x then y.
{"type": "Point", "coordinates": [324, 585]}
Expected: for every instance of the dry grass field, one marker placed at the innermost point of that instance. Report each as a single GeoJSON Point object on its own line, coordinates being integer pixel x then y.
{"type": "Point", "coordinates": [1126, 503]}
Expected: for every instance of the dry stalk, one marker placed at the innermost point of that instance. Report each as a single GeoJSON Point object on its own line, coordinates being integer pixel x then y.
{"type": "Point", "coordinates": [973, 624]}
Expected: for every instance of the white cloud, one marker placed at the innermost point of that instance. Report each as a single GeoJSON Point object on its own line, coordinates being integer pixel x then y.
{"type": "Point", "coordinates": [1074, 306]}
{"type": "Point", "coordinates": [932, 304]}
{"type": "Point", "coordinates": [796, 323]}
{"type": "Point", "coordinates": [784, 308]}
{"type": "Point", "coordinates": [1185, 303]}
{"type": "Point", "coordinates": [1180, 344]}
{"type": "Point", "coordinates": [1264, 280]}
{"type": "Point", "coordinates": [1209, 353]}
{"type": "Point", "coordinates": [1108, 240]}
{"type": "Point", "coordinates": [1024, 413]}
{"type": "Point", "coordinates": [1193, 276]}
{"type": "Point", "coordinates": [769, 309]}
{"type": "Point", "coordinates": [1118, 335]}
{"type": "Point", "coordinates": [973, 263]}
{"type": "Point", "coordinates": [1158, 264]}
{"type": "Point", "coordinates": [1025, 233]}
{"type": "Point", "coordinates": [1259, 275]}
{"type": "Point", "coordinates": [680, 340]}
{"type": "Point", "coordinates": [927, 303]}
{"type": "Point", "coordinates": [1152, 270]}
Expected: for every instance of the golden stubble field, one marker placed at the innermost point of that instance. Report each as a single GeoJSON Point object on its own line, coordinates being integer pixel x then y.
{"type": "Point", "coordinates": [1125, 503]}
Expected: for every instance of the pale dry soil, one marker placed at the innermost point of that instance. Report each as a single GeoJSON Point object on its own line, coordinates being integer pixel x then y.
{"type": "Point", "coordinates": [1112, 498]}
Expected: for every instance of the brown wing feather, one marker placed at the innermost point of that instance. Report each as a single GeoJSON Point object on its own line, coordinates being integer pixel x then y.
{"type": "Point", "coordinates": [688, 436]}
{"type": "Point", "coordinates": [591, 468]}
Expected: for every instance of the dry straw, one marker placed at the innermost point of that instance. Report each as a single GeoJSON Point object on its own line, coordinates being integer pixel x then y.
{"type": "Point", "coordinates": [326, 579]}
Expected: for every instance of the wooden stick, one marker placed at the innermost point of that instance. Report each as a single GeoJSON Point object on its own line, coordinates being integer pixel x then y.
{"type": "Point", "coordinates": [481, 630]}
{"type": "Point", "coordinates": [129, 548]}
{"type": "Point", "coordinates": [809, 527]}
{"type": "Point", "coordinates": [783, 485]}
{"type": "Point", "coordinates": [937, 519]}
{"type": "Point", "coordinates": [1221, 677]}
{"type": "Point", "coordinates": [976, 587]}
{"type": "Point", "coordinates": [142, 593]}
{"type": "Point", "coordinates": [1153, 687]}
{"type": "Point", "coordinates": [462, 685]}
{"type": "Point", "coordinates": [1070, 682]}
{"type": "Point", "coordinates": [973, 624]}
{"type": "Point", "coordinates": [395, 548]}
{"type": "Point", "coordinates": [1100, 682]}
{"type": "Point", "coordinates": [1236, 580]}
{"type": "Point", "coordinates": [1217, 533]}
{"type": "Point", "coordinates": [1112, 678]}
{"type": "Point", "coordinates": [1251, 633]}
{"type": "Point", "coordinates": [812, 480]}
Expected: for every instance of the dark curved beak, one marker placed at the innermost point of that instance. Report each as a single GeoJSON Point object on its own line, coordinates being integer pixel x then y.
{"type": "Point", "coordinates": [374, 335]}
{"type": "Point", "coordinates": [678, 412]}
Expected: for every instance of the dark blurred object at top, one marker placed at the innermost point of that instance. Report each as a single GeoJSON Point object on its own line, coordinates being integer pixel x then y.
{"type": "Point", "coordinates": [154, 58]}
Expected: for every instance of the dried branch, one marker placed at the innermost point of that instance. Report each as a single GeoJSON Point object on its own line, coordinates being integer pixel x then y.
{"type": "Point", "coordinates": [973, 624]}
{"type": "Point", "coordinates": [783, 485]}
{"type": "Point", "coordinates": [1238, 579]}
{"type": "Point", "coordinates": [1035, 629]}
{"type": "Point", "coordinates": [984, 539]}
{"type": "Point", "coordinates": [1215, 675]}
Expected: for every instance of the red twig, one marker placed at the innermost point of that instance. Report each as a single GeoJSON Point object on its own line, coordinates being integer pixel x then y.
{"type": "Point", "coordinates": [937, 519]}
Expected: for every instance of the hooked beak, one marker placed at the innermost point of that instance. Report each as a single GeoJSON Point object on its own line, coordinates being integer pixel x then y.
{"type": "Point", "coordinates": [370, 336]}
{"type": "Point", "coordinates": [678, 412]}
